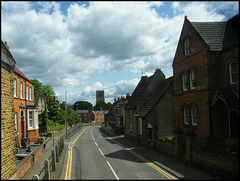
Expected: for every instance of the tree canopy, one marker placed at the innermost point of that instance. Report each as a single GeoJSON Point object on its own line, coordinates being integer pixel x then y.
{"type": "Point", "coordinates": [82, 105]}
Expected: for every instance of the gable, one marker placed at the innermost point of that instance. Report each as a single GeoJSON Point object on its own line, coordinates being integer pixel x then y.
{"type": "Point", "coordinates": [196, 42]}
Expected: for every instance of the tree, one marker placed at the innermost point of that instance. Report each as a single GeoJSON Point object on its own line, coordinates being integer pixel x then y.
{"type": "Point", "coordinates": [102, 105]}
{"type": "Point", "coordinates": [82, 105]}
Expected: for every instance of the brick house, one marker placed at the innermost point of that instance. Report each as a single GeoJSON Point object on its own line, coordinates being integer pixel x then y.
{"type": "Point", "coordinates": [84, 115]}
{"type": "Point", "coordinates": [206, 92]}
{"type": "Point", "coordinates": [8, 143]}
{"type": "Point", "coordinates": [144, 90]}
{"type": "Point", "coordinates": [157, 114]}
{"type": "Point", "coordinates": [25, 111]}
{"type": "Point", "coordinates": [40, 101]}
{"type": "Point", "coordinates": [97, 116]}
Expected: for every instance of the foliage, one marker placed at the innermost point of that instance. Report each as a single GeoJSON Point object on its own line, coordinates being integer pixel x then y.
{"type": "Point", "coordinates": [103, 105]}
{"type": "Point", "coordinates": [72, 117]}
{"type": "Point", "coordinates": [82, 105]}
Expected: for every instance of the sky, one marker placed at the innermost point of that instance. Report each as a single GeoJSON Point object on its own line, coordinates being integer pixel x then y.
{"type": "Point", "coordinates": [78, 47]}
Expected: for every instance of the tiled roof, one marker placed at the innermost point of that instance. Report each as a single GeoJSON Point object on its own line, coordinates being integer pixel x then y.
{"type": "Point", "coordinates": [157, 95]}
{"type": "Point", "coordinates": [219, 35]}
{"type": "Point", "coordinates": [212, 33]}
{"type": "Point", "coordinates": [19, 72]}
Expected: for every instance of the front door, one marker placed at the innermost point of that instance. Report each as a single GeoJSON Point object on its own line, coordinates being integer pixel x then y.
{"type": "Point", "coordinates": [22, 124]}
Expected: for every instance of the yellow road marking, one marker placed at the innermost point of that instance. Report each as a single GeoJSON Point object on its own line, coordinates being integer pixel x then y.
{"type": "Point", "coordinates": [145, 160]}
{"type": "Point", "coordinates": [69, 161]}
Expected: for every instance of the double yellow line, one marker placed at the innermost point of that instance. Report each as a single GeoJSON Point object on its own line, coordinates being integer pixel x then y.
{"type": "Point", "coordinates": [69, 161]}
{"type": "Point", "coordinates": [146, 161]}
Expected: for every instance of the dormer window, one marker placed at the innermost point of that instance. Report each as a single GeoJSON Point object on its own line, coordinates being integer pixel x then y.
{"type": "Point", "coordinates": [186, 47]}
{"type": "Point", "coordinates": [232, 73]}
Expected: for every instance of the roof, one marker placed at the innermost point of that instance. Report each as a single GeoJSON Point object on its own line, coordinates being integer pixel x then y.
{"type": "Point", "coordinates": [229, 96]}
{"type": "Point", "coordinates": [6, 55]}
{"type": "Point", "coordinates": [154, 99]}
{"type": "Point", "coordinates": [219, 35]}
{"type": "Point", "coordinates": [82, 111]}
{"type": "Point", "coordinates": [19, 72]}
{"type": "Point", "coordinates": [212, 33]}
{"type": "Point", "coordinates": [145, 88]}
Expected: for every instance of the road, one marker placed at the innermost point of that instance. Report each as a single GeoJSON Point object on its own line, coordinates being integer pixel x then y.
{"type": "Point", "coordinates": [93, 155]}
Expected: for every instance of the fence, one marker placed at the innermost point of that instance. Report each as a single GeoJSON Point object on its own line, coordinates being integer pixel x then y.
{"type": "Point", "coordinates": [50, 163]}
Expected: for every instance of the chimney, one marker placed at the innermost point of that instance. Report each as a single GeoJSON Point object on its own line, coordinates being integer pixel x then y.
{"type": "Point", "coordinates": [6, 45]}
{"type": "Point", "coordinates": [127, 96]}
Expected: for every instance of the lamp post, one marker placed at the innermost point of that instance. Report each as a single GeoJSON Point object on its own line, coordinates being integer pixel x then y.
{"type": "Point", "coordinates": [53, 118]}
{"type": "Point", "coordinates": [66, 111]}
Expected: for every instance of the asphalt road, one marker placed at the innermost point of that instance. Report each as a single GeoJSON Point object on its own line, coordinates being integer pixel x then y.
{"type": "Point", "coordinates": [93, 155]}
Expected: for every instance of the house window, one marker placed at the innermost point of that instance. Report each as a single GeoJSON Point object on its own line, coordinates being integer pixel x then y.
{"type": "Point", "coordinates": [30, 118]}
{"type": "Point", "coordinates": [36, 119]}
{"type": "Point", "coordinates": [27, 92]}
{"type": "Point", "coordinates": [30, 93]}
{"type": "Point", "coordinates": [194, 116]}
{"type": "Point", "coordinates": [185, 81]}
{"type": "Point", "coordinates": [186, 115]}
{"type": "Point", "coordinates": [186, 47]}
{"type": "Point", "coordinates": [14, 87]}
{"type": "Point", "coordinates": [232, 73]}
{"type": "Point", "coordinates": [192, 79]}
{"type": "Point", "coordinates": [21, 90]}
{"type": "Point", "coordinates": [15, 119]}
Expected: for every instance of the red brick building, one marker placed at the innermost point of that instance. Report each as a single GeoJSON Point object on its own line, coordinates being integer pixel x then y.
{"type": "Point", "coordinates": [84, 115]}
{"type": "Point", "coordinates": [97, 116]}
{"type": "Point", "coordinates": [25, 111]}
{"type": "Point", "coordinates": [206, 90]}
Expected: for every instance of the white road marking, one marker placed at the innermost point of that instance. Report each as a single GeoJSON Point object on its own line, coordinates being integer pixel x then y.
{"type": "Point", "coordinates": [101, 152]}
{"type": "Point", "coordinates": [113, 170]}
{"type": "Point", "coordinates": [96, 144]}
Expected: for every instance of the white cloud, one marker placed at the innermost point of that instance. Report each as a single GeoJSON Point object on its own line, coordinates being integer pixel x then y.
{"type": "Point", "coordinates": [64, 49]}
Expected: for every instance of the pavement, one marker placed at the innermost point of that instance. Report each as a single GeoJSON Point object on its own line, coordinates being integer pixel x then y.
{"type": "Point", "coordinates": [39, 163]}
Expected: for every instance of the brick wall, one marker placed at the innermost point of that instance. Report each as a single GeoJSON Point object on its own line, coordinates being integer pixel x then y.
{"type": "Point", "coordinates": [8, 149]}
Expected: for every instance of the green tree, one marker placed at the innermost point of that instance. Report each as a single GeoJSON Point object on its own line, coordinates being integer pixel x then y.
{"type": "Point", "coordinates": [82, 105]}
{"type": "Point", "coordinates": [102, 105]}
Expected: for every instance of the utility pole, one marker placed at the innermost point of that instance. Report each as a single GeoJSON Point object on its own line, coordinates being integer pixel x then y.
{"type": "Point", "coordinates": [66, 111]}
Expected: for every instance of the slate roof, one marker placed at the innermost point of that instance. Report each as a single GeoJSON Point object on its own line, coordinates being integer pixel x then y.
{"type": "Point", "coordinates": [157, 95]}
{"type": "Point", "coordinates": [212, 33]}
{"type": "Point", "coordinates": [219, 35]}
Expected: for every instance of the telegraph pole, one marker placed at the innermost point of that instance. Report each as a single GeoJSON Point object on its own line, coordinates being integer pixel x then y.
{"type": "Point", "coordinates": [66, 111]}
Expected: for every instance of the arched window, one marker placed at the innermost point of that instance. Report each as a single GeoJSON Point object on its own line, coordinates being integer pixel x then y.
{"type": "Point", "coordinates": [185, 81]}
{"type": "Point", "coordinates": [186, 47]}
{"type": "Point", "coordinates": [192, 79]}
{"type": "Point", "coordinates": [186, 115]}
{"type": "Point", "coordinates": [232, 73]}
{"type": "Point", "coordinates": [194, 115]}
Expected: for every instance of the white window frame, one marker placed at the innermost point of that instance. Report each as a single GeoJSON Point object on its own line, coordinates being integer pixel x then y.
{"type": "Point", "coordinates": [31, 119]}
{"type": "Point", "coordinates": [15, 119]}
{"type": "Point", "coordinates": [194, 115]}
{"type": "Point", "coordinates": [36, 119]}
{"type": "Point", "coordinates": [21, 90]}
{"type": "Point", "coordinates": [185, 81]}
{"type": "Point", "coordinates": [30, 93]}
{"type": "Point", "coordinates": [26, 92]}
{"type": "Point", "coordinates": [15, 87]}
{"type": "Point", "coordinates": [192, 78]}
{"type": "Point", "coordinates": [186, 47]}
{"type": "Point", "coordinates": [186, 115]}
{"type": "Point", "coordinates": [232, 73]}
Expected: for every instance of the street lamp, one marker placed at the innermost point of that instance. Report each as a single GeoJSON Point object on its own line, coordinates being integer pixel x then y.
{"type": "Point", "coordinates": [66, 111]}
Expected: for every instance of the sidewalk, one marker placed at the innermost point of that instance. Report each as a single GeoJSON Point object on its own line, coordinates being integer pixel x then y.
{"type": "Point", "coordinates": [39, 163]}
{"type": "Point", "coordinates": [172, 165]}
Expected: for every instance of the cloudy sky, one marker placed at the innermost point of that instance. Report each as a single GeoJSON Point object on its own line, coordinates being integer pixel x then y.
{"type": "Point", "coordinates": [81, 47]}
